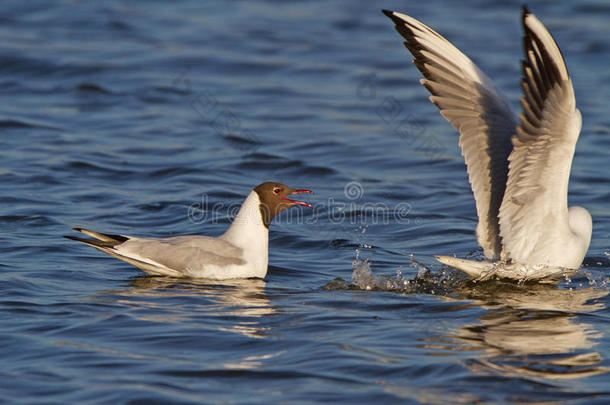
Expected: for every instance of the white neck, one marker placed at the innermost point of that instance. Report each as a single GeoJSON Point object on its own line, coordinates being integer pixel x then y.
{"type": "Point", "coordinates": [250, 234]}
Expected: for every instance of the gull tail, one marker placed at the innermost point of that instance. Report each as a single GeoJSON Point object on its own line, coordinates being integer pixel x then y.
{"type": "Point", "coordinates": [107, 243]}
{"type": "Point", "coordinates": [102, 240]}
{"type": "Point", "coordinates": [473, 268]}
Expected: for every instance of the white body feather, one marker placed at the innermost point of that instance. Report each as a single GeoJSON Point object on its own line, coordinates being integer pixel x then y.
{"type": "Point", "coordinates": [241, 252]}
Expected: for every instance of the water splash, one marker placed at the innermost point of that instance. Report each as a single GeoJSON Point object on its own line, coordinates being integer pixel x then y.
{"type": "Point", "coordinates": [450, 282]}
{"type": "Point", "coordinates": [424, 282]}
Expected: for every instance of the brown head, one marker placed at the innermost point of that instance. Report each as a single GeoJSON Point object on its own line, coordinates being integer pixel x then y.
{"type": "Point", "coordinates": [274, 199]}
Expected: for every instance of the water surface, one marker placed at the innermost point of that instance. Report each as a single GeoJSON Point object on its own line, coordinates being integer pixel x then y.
{"type": "Point", "coordinates": [156, 119]}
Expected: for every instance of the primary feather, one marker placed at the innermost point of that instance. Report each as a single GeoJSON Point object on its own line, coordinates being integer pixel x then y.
{"type": "Point", "coordinates": [518, 169]}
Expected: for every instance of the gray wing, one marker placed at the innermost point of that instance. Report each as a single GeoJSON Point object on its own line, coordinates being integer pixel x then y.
{"type": "Point", "coordinates": [539, 169]}
{"type": "Point", "coordinates": [181, 253]}
{"type": "Point", "coordinates": [467, 99]}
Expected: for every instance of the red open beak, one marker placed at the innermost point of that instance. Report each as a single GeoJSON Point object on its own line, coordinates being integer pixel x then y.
{"type": "Point", "coordinates": [298, 202]}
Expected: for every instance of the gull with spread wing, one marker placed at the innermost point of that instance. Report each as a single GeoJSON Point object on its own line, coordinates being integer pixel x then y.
{"type": "Point", "coordinates": [518, 168]}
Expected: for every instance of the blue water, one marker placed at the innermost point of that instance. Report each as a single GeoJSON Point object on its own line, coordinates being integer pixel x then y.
{"type": "Point", "coordinates": [157, 118]}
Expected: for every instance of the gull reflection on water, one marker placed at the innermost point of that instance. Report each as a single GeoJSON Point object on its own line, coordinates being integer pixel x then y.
{"type": "Point", "coordinates": [178, 300]}
{"type": "Point", "coordinates": [233, 306]}
{"type": "Point", "coordinates": [533, 331]}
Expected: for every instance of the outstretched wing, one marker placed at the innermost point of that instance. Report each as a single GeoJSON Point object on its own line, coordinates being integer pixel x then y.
{"type": "Point", "coordinates": [536, 193]}
{"type": "Point", "coordinates": [467, 99]}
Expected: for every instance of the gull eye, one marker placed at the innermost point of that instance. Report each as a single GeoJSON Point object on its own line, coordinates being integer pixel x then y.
{"type": "Point", "coordinates": [277, 190]}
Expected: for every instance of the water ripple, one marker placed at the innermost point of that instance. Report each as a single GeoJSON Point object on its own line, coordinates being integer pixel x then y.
{"type": "Point", "coordinates": [121, 116]}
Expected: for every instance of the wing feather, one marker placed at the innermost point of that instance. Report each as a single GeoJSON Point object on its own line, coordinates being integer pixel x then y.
{"type": "Point", "coordinates": [467, 99]}
{"type": "Point", "coordinates": [535, 199]}
{"type": "Point", "coordinates": [182, 253]}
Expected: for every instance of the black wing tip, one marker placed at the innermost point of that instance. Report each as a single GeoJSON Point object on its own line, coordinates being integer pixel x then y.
{"type": "Point", "coordinates": [117, 239]}
{"type": "Point", "coordinates": [76, 238]}
{"type": "Point", "coordinates": [552, 68]}
{"type": "Point", "coordinates": [391, 16]}
{"type": "Point", "coordinates": [92, 242]}
{"type": "Point", "coordinates": [82, 240]}
{"type": "Point", "coordinates": [525, 12]}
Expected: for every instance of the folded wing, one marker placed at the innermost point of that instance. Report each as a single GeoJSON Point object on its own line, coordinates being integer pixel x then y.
{"type": "Point", "coordinates": [177, 256]}
{"type": "Point", "coordinates": [183, 254]}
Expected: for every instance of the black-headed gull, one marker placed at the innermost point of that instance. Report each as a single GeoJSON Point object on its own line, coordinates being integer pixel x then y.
{"type": "Point", "coordinates": [518, 168]}
{"type": "Point", "coordinates": [241, 252]}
